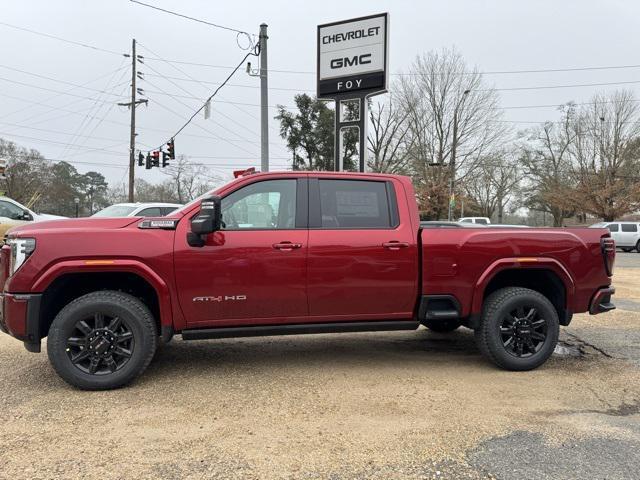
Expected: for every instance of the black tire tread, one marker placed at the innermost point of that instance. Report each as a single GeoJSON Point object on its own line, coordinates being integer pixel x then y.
{"type": "Point", "coordinates": [142, 313]}
{"type": "Point", "coordinates": [489, 309]}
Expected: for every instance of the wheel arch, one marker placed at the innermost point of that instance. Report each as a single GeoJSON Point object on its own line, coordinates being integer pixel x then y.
{"type": "Point", "coordinates": [544, 275]}
{"type": "Point", "coordinates": [66, 281]}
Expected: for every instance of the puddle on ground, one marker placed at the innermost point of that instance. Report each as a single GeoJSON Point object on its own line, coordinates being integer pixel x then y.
{"type": "Point", "coordinates": [565, 350]}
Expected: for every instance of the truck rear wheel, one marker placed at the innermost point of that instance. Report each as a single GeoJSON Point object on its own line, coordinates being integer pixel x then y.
{"type": "Point", "coordinates": [442, 326]}
{"type": "Point", "coordinates": [102, 340]}
{"type": "Point", "coordinates": [519, 328]}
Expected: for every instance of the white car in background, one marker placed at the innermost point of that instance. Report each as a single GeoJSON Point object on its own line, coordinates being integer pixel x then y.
{"type": "Point", "coordinates": [13, 213]}
{"type": "Point", "coordinates": [12, 210]}
{"type": "Point", "coordinates": [138, 210]}
{"type": "Point", "coordinates": [626, 234]}
{"type": "Point", "coordinates": [480, 220]}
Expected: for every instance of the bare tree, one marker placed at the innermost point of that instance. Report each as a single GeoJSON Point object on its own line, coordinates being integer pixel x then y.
{"type": "Point", "coordinates": [453, 115]}
{"type": "Point", "coordinates": [547, 166]}
{"type": "Point", "coordinates": [189, 180]}
{"type": "Point", "coordinates": [606, 151]}
{"type": "Point", "coordinates": [389, 140]}
{"type": "Point", "coordinates": [492, 184]}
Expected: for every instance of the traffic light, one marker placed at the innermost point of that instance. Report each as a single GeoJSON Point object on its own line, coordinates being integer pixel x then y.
{"type": "Point", "coordinates": [140, 159]}
{"type": "Point", "coordinates": [155, 158]}
{"type": "Point", "coordinates": [165, 159]}
{"type": "Point", "coordinates": [148, 162]}
{"type": "Point", "coordinates": [171, 149]}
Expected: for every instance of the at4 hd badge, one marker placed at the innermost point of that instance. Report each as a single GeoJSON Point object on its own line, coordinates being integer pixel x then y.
{"type": "Point", "coordinates": [220, 298]}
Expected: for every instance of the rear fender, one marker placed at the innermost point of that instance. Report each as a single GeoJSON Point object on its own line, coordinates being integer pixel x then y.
{"type": "Point", "coordinates": [112, 265]}
{"type": "Point", "coordinates": [498, 266]}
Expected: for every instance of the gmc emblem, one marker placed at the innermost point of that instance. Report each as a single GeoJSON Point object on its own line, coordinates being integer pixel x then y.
{"type": "Point", "coordinates": [351, 61]}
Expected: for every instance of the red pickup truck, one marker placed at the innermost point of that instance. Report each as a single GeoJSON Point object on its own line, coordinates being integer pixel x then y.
{"type": "Point", "coordinates": [291, 253]}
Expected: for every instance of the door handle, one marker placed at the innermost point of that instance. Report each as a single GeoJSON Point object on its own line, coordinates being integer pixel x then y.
{"type": "Point", "coordinates": [395, 245]}
{"type": "Point", "coordinates": [286, 246]}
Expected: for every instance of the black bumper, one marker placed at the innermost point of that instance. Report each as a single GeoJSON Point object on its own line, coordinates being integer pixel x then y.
{"type": "Point", "coordinates": [601, 301]}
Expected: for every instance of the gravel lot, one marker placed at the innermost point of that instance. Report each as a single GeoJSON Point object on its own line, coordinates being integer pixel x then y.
{"type": "Point", "coordinates": [383, 405]}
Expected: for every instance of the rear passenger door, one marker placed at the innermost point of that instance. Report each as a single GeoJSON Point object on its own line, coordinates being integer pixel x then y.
{"type": "Point", "coordinates": [628, 234]}
{"type": "Point", "coordinates": [362, 258]}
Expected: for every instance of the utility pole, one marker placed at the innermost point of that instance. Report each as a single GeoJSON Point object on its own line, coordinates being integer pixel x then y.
{"type": "Point", "coordinates": [132, 105]}
{"type": "Point", "coordinates": [452, 162]}
{"type": "Point", "coordinates": [264, 100]}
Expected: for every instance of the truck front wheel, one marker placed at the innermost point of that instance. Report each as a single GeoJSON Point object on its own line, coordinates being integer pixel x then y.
{"type": "Point", "coordinates": [518, 329]}
{"type": "Point", "coordinates": [102, 340]}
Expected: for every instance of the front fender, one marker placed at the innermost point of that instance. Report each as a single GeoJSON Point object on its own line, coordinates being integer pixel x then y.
{"type": "Point", "coordinates": [518, 263]}
{"type": "Point", "coordinates": [111, 265]}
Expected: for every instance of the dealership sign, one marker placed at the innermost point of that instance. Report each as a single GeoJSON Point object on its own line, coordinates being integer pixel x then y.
{"type": "Point", "coordinates": [353, 57]}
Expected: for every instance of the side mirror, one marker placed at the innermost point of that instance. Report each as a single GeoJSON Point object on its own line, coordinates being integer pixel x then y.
{"type": "Point", "coordinates": [208, 220]}
{"type": "Point", "coordinates": [27, 216]}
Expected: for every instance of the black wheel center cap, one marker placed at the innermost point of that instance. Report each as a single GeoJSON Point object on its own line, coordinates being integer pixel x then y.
{"type": "Point", "coordinates": [101, 342]}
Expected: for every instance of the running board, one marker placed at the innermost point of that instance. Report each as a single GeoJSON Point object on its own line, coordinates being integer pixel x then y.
{"type": "Point", "coordinates": [297, 329]}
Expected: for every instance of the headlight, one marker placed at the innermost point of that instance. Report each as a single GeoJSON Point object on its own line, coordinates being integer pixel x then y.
{"type": "Point", "coordinates": [21, 249]}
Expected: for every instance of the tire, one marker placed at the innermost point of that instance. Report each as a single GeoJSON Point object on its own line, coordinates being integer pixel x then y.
{"type": "Point", "coordinates": [441, 326]}
{"type": "Point", "coordinates": [637, 247]}
{"type": "Point", "coordinates": [535, 319]}
{"type": "Point", "coordinates": [102, 340]}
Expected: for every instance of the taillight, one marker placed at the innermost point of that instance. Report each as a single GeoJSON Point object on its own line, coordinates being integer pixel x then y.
{"type": "Point", "coordinates": [608, 247]}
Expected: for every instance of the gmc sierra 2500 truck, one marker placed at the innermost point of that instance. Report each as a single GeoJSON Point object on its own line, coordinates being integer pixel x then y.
{"type": "Point", "coordinates": [291, 253]}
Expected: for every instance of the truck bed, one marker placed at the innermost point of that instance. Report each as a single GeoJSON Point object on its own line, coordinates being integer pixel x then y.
{"type": "Point", "coordinates": [462, 261]}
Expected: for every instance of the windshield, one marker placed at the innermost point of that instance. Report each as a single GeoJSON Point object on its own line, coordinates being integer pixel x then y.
{"type": "Point", "coordinates": [115, 211]}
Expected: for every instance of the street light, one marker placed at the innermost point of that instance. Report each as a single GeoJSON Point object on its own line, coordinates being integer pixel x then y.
{"type": "Point", "coordinates": [77, 202]}
{"type": "Point", "coordinates": [452, 162]}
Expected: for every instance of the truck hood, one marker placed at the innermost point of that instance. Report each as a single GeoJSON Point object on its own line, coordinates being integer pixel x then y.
{"type": "Point", "coordinates": [81, 224]}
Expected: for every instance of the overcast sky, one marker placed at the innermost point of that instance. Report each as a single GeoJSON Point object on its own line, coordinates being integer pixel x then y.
{"type": "Point", "coordinates": [492, 35]}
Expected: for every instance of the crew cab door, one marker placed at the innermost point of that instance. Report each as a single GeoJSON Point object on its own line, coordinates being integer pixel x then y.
{"type": "Point", "coordinates": [363, 255]}
{"type": "Point", "coordinates": [254, 269]}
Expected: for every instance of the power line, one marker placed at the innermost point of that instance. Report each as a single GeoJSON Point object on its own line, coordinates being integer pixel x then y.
{"type": "Point", "coordinates": [57, 80]}
{"type": "Point", "coordinates": [105, 149]}
{"type": "Point", "coordinates": [248, 54]}
{"type": "Point", "coordinates": [191, 97]}
{"type": "Point", "coordinates": [73, 42]}
{"type": "Point", "coordinates": [239, 85]}
{"type": "Point", "coordinates": [214, 135]}
{"type": "Point", "coordinates": [191, 18]}
{"type": "Point", "coordinates": [308, 72]}
{"type": "Point", "coordinates": [203, 84]}
{"type": "Point", "coordinates": [119, 166]}
{"type": "Point", "coordinates": [30, 85]}
{"type": "Point", "coordinates": [488, 72]}
{"type": "Point", "coordinates": [543, 87]}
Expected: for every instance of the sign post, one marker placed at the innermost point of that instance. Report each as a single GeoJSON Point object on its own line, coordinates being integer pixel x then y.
{"type": "Point", "coordinates": [352, 66]}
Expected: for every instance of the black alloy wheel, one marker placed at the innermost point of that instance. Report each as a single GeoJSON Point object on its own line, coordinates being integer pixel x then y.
{"type": "Point", "coordinates": [518, 329]}
{"type": "Point", "coordinates": [523, 331]}
{"type": "Point", "coordinates": [100, 344]}
{"type": "Point", "coordinates": [102, 340]}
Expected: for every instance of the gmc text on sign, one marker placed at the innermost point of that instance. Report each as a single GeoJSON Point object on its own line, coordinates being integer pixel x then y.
{"type": "Point", "coordinates": [352, 56]}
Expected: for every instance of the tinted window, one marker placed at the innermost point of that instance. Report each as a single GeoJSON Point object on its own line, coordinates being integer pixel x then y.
{"type": "Point", "coordinates": [168, 210]}
{"type": "Point", "coordinates": [354, 204]}
{"type": "Point", "coordinates": [150, 212]}
{"type": "Point", "coordinates": [629, 227]}
{"type": "Point", "coordinates": [481, 220]}
{"type": "Point", "coordinates": [466, 220]}
{"type": "Point", "coordinates": [268, 205]}
{"type": "Point", "coordinates": [9, 210]}
{"type": "Point", "coordinates": [613, 227]}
